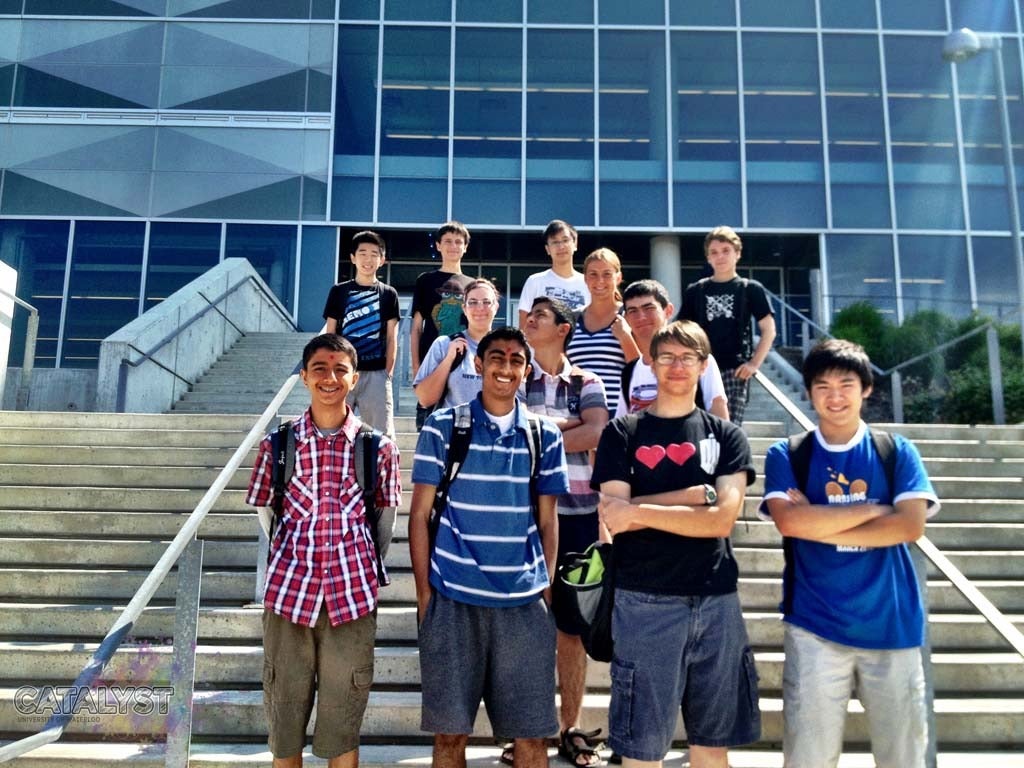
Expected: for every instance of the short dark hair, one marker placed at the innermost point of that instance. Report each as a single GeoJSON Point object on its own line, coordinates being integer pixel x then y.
{"type": "Point", "coordinates": [837, 355]}
{"type": "Point", "coordinates": [451, 227]}
{"type": "Point", "coordinates": [686, 333]}
{"type": "Point", "coordinates": [647, 287]}
{"type": "Point", "coordinates": [723, 234]}
{"type": "Point", "coordinates": [505, 333]}
{"type": "Point", "coordinates": [367, 236]}
{"type": "Point", "coordinates": [562, 313]}
{"type": "Point", "coordinates": [557, 225]}
{"type": "Point", "coordinates": [333, 342]}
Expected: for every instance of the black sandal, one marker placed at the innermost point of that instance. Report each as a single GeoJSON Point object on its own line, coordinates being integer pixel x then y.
{"type": "Point", "coordinates": [508, 754]}
{"type": "Point", "coordinates": [571, 750]}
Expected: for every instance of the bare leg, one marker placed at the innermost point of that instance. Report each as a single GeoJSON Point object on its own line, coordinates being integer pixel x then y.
{"type": "Point", "coordinates": [347, 760]}
{"type": "Point", "coordinates": [629, 762]}
{"type": "Point", "coordinates": [450, 750]}
{"type": "Point", "coordinates": [709, 757]}
{"type": "Point", "coordinates": [288, 762]}
{"type": "Point", "coordinates": [530, 753]}
{"type": "Point", "coordinates": [572, 678]}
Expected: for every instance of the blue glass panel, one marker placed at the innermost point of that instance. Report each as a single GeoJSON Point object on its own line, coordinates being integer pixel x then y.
{"type": "Point", "coordinates": [486, 201]}
{"type": "Point", "coordinates": [179, 252]}
{"type": "Point", "coordinates": [317, 274]}
{"type": "Point", "coordinates": [564, 12]}
{"type": "Point", "coordinates": [103, 295]}
{"type": "Point", "coordinates": [418, 10]}
{"type": "Point", "coordinates": [412, 200]}
{"type": "Point", "coordinates": [38, 250]}
{"type": "Point", "coordinates": [702, 13]}
{"type": "Point", "coordinates": [351, 198]}
{"type": "Point", "coordinates": [253, 9]}
{"type": "Point", "coordinates": [560, 125]}
{"type": "Point", "coordinates": [92, 7]}
{"type": "Point", "coordinates": [995, 277]}
{"type": "Point", "coordinates": [355, 124]}
{"type": "Point", "coordinates": [849, 14]}
{"type": "Point", "coordinates": [933, 273]}
{"type": "Point", "coordinates": [706, 171]}
{"type": "Point", "coordinates": [914, 14]}
{"type": "Point", "coordinates": [768, 13]}
{"type": "Point", "coordinates": [633, 145]}
{"type": "Point", "coordinates": [489, 10]}
{"type": "Point", "coordinates": [488, 102]}
{"type": "Point", "coordinates": [922, 124]}
{"type": "Point", "coordinates": [861, 268]}
{"type": "Point", "coordinates": [359, 9]}
{"type": "Point", "coordinates": [10, 6]}
{"type": "Point", "coordinates": [987, 16]}
{"type": "Point", "coordinates": [635, 12]}
{"type": "Point", "coordinates": [270, 250]}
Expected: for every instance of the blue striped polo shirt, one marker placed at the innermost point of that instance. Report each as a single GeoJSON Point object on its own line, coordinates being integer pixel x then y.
{"type": "Point", "coordinates": [488, 551]}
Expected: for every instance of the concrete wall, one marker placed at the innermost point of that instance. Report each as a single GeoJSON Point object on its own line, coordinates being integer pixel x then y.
{"type": "Point", "coordinates": [53, 389]}
{"type": "Point", "coordinates": [148, 388]}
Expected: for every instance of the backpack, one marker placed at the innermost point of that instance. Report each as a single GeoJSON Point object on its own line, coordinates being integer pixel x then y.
{"type": "Point", "coordinates": [282, 446]}
{"type": "Point", "coordinates": [458, 449]}
{"type": "Point", "coordinates": [742, 311]}
{"type": "Point", "coordinates": [800, 448]}
{"type": "Point", "coordinates": [627, 378]}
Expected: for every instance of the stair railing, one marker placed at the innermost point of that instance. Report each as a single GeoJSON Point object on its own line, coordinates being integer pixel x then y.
{"type": "Point", "coordinates": [29, 355]}
{"type": "Point", "coordinates": [189, 571]}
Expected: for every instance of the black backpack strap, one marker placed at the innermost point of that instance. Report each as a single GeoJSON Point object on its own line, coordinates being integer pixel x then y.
{"type": "Point", "coordinates": [575, 391]}
{"type": "Point", "coordinates": [534, 444]}
{"type": "Point", "coordinates": [367, 449]}
{"type": "Point", "coordinates": [743, 313]}
{"type": "Point", "coordinates": [800, 448]}
{"type": "Point", "coordinates": [885, 447]}
{"type": "Point", "coordinates": [282, 454]}
{"type": "Point", "coordinates": [459, 357]}
{"type": "Point", "coordinates": [458, 450]}
{"type": "Point", "coordinates": [627, 378]}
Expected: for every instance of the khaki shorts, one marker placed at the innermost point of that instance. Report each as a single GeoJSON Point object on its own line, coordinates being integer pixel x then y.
{"type": "Point", "coordinates": [333, 663]}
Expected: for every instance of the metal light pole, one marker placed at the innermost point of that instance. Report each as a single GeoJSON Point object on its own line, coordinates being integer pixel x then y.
{"type": "Point", "coordinates": [959, 46]}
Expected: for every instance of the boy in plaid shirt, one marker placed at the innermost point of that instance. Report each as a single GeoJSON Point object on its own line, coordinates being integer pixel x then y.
{"type": "Point", "coordinates": [320, 599]}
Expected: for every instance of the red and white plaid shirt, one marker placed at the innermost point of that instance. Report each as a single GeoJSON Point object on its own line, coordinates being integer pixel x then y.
{"type": "Point", "coordinates": [321, 552]}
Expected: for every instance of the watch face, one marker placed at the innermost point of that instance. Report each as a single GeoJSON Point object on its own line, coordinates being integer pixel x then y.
{"type": "Point", "coordinates": [710, 494]}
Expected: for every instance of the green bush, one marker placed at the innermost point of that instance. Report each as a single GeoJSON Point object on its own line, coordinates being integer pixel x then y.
{"type": "Point", "coordinates": [863, 323]}
{"type": "Point", "coordinates": [969, 397]}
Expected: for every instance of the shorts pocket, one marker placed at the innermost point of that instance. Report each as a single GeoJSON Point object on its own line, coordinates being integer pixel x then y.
{"type": "Point", "coordinates": [750, 678]}
{"type": "Point", "coordinates": [620, 713]}
{"type": "Point", "coordinates": [362, 677]}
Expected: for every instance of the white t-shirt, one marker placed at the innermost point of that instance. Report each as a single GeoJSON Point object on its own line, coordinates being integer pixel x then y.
{"type": "Point", "coordinates": [571, 290]}
{"type": "Point", "coordinates": [643, 387]}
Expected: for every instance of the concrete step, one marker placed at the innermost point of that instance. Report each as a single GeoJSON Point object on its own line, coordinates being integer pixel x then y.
{"type": "Point", "coordinates": [122, 525]}
{"type": "Point", "coordinates": [100, 455]}
{"type": "Point", "coordinates": [391, 714]}
{"type": "Point", "coordinates": [80, 498]}
{"type": "Point", "coordinates": [119, 476]}
{"type": "Point", "coordinates": [128, 438]}
{"type": "Point", "coordinates": [84, 420]}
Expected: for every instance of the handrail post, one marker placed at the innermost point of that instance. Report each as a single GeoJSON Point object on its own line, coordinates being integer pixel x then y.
{"type": "Point", "coordinates": [805, 338]}
{"type": "Point", "coordinates": [28, 361]}
{"type": "Point", "coordinates": [995, 372]}
{"type": "Point", "coordinates": [183, 659]}
{"type": "Point", "coordinates": [921, 569]}
{"type": "Point", "coordinates": [897, 397]}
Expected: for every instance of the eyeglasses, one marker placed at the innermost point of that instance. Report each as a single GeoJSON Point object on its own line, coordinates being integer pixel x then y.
{"type": "Point", "coordinates": [474, 303]}
{"type": "Point", "coordinates": [560, 242]}
{"type": "Point", "coordinates": [646, 309]}
{"type": "Point", "coordinates": [687, 360]}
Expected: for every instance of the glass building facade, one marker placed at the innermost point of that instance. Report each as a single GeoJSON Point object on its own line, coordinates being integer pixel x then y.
{"type": "Point", "coordinates": [142, 141]}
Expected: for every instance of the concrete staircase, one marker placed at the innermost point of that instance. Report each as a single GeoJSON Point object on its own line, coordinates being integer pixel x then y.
{"type": "Point", "coordinates": [89, 501]}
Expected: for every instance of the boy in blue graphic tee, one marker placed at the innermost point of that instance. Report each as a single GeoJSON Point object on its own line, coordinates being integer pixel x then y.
{"type": "Point", "coordinates": [365, 311]}
{"type": "Point", "coordinates": [851, 602]}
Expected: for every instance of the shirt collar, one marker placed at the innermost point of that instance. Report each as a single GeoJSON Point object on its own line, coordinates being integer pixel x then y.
{"type": "Point", "coordinates": [305, 429]}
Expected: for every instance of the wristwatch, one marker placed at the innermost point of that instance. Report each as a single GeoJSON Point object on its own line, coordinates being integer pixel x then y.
{"type": "Point", "coordinates": [710, 494]}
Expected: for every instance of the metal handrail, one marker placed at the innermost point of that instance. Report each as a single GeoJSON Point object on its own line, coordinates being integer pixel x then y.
{"type": "Point", "coordinates": [982, 604]}
{"type": "Point", "coordinates": [29, 355]}
{"type": "Point", "coordinates": [76, 695]}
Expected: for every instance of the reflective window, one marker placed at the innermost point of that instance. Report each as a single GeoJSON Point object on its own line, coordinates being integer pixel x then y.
{"type": "Point", "coordinates": [237, 173]}
{"type": "Point", "coordinates": [560, 126]}
{"type": "Point", "coordinates": [418, 10]}
{"type": "Point", "coordinates": [10, 37]}
{"type": "Point", "coordinates": [414, 125]}
{"type": "Point", "coordinates": [489, 10]}
{"type": "Point", "coordinates": [983, 137]}
{"type": "Point", "coordinates": [109, 64]}
{"type": "Point", "coordinates": [861, 268]}
{"type": "Point", "coordinates": [103, 294]}
{"type": "Point", "coordinates": [488, 117]}
{"type": "Point", "coordinates": [706, 170]}
{"type": "Point", "coordinates": [87, 170]}
{"type": "Point", "coordinates": [270, 250]}
{"type": "Point", "coordinates": [252, 9]}
{"type": "Point", "coordinates": [856, 131]}
{"type": "Point", "coordinates": [633, 129]}
{"type": "Point", "coordinates": [93, 7]}
{"type": "Point", "coordinates": [564, 12]}
{"type": "Point", "coordinates": [359, 9]}
{"type": "Point", "coordinates": [317, 273]}
{"type": "Point", "coordinates": [914, 14]}
{"type": "Point", "coordinates": [10, 6]}
{"type": "Point", "coordinates": [355, 124]}
{"type": "Point", "coordinates": [785, 175]}
{"type": "Point", "coordinates": [995, 277]}
{"type": "Point", "coordinates": [934, 274]}
{"type": "Point", "coordinates": [265, 67]}
{"type": "Point", "coordinates": [703, 13]}
{"type": "Point", "coordinates": [768, 13]}
{"type": "Point", "coordinates": [178, 253]}
{"type": "Point", "coordinates": [850, 14]}
{"type": "Point", "coordinates": [38, 250]}
{"type": "Point", "coordinates": [988, 16]}
{"type": "Point", "coordinates": [923, 132]}
{"type": "Point", "coordinates": [635, 12]}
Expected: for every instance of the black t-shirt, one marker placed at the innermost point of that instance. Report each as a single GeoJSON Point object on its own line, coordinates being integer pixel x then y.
{"type": "Point", "coordinates": [655, 455]}
{"type": "Point", "coordinates": [438, 299]}
{"type": "Point", "coordinates": [363, 312]}
{"type": "Point", "coordinates": [718, 315]}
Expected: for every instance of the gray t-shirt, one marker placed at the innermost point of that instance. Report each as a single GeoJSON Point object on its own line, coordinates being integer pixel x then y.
{"type": "Point", "coordinates": [463, 383]}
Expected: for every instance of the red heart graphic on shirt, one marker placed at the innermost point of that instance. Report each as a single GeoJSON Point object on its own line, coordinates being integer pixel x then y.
{"type": "Point", "coordinates": [680, 452]}
{"type": "Point", "coordinates": [650, 455]}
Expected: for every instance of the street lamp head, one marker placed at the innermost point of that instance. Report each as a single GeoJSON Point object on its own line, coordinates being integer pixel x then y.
{"type": "Point", "coordinates": [961, 45]}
